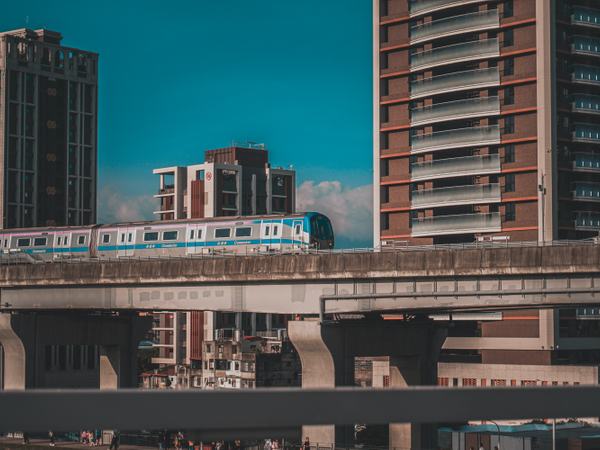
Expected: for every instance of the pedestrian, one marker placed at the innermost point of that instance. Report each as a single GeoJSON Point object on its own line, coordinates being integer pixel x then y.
{"type": "Point", "coordinates": [268, 445]}
{"type": "Point", "coordinates": [481, 447]}
{"type": "Point", "coordinates": [25, 437]}
{"type": "Point", "coordinates": [114, 441]}
{"type": "Point", "coordinates": [306, 444]}
{"type": "Point", "coordinates": [51, 436]}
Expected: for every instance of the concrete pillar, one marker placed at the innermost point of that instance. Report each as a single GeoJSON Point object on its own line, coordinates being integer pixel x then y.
{"type": "Point", "coordinates": [14, 357]}
{"type": "Point", "coordinates": [327, 353]}
{"type": "Point", "coordinates": [110, 367]}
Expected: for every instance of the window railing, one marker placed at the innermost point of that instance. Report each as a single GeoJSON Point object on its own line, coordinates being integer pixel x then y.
{"type": "Point", "coordinates": [423, 6]}
{"type": "Point", "coordinates": [587, 103]}
{"type": "Point", "coordinates": [462, 137]}
{"type": "Point", "coordinates": [587, 161]}
{"type": "Point", "coordinates": [457, 24]}
{"type": "Point", "coordinates": [465, 51]}
{"type": "Point", "coordinates": [586, 133]}
{"type": "Point", "coordinates": [586, 45]}
{"type": "Point", "coordinates": [587, 191]}
{"type": "Point", "coordinates": [456, 195]}
{"type": "Point", "coordinates": [586, 16]}
{"type": "Point", "coordinates": [465, 108]}
{"type": "Point", "coordinates": [455, 81]}
{"type": "Point", "coordinates": [454, 167]}
{"type": "Point", "coordinates": [457, 224]}
{"type": "Point", "coordinates": [586, 74]}
{"type": "Point", "coordinates": [587, 220]}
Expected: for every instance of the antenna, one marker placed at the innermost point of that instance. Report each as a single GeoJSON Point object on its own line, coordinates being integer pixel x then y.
{"type": "Point", "coordinates": [26, 20]}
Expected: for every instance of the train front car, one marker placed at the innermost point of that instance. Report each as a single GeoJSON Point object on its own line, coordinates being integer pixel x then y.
{"type": "Point", "coordinates": [321, 231]}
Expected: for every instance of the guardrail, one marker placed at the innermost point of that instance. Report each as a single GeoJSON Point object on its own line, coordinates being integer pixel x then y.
{"type": "Point", "coordinates": [16, 258]}
{"type": "Point", "coordinates": [224, 412]}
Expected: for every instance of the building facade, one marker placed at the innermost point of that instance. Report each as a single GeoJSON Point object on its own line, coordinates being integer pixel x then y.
{"type": "Point", "coordinates": [487, 127]}
{"type": "Point", "coordinates": [48, 131]}
{"type": "Point", "coordinates": [232, 181]}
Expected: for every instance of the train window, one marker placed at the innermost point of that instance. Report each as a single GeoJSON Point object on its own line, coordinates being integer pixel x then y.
{"type": "Point", "coordinates": [199, 234]}
{"type": "Point", "coordinates": [23, 242]}
{"type": "Point", "coordinates": [191, 235]}
{"type": "Point", "coordinates": [267, 230]}
{"type": "Point", "coordinates": [151, 236]}
{"type": "Point", "coordinates": [105, 238]}
{"type": "Point", "coordinates": [6, 242]}
{"type": "Point", "coordinates": [129, 237]}
{"type": "Point", "coordinates": [243, 232]}
{"type": "Point", "coordinates": [81, 240]}
{"type": "Point", "coordinates": [223, 232]}
{"type": "Point", "coordinates": [39, 242]}
{"type": "Point", "coordinates": [58, 241]}
{"type": "Point", "coordinates": [275, 230]}
{"type": "Point", "coordinates": [170, 235]}
{"type": "Point", "coordinates": [298, 229]}
{"type": "Point", "coordinates": [66, 240]}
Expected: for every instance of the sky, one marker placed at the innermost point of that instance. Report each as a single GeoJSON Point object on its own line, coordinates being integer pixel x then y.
{"type": "Point", "coordinates": [181, 76]}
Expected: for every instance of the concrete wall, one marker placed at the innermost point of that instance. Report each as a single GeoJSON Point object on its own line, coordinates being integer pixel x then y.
{"type": "Point", "coordinates": [431, 263]}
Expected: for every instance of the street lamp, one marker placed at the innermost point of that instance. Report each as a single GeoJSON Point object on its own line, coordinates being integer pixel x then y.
{"type": "Point", "coordinates": [498, 430]}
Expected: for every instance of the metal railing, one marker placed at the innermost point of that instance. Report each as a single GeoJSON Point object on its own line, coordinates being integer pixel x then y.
{"type": "Point", "coordinates": [456, 109]}
{"type": "Point", "coordinates": [461, 137]}
{"type": "Point", "coordinates": [481, 20]}
{"type": "Point", "coordinates": [465, 51]}
{"type": "Point", "coordinates": [454, 167]}
{"type": "Point", "coordinates": [424, 6]}
{"type": "Point", "coordinates": [455, 81]}
{"type": "Point", "coordinates": [456, 224]}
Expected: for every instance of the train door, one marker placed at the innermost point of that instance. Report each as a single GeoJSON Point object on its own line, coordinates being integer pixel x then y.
{"type": "Point", "coordinates": [195, 235]}
{"type": "Point", "coordinates": [297, 234]}
{"type": "Point", "coordinates": [62, 244]}
{"type": "Point", "coordinates": [276, 234]}
{"type": "Point", "coordinates": [265, 236]}
{"type": "Point", "coordinates": [125, 241]}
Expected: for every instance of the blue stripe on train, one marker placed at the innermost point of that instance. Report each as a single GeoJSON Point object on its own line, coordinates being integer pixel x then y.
{"type": "Point", "coordinates": [223, 243]}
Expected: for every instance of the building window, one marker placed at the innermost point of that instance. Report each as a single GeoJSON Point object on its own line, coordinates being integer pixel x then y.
{"type": "Point", "coordinates": [442, 381]}
{"type": "Point", "coordinates": [469, 381]}
{"type": "Point", "coordinates": [509, 95]}
{"type": "Point", "coordinates": [509, 182]}
{"type": "Point", "coordinates": [509, 125]}
{"type": "Point", "coordinates": [498, 382]}
{"type": "Point", "coordinates": [509, 212]}
{"type": "Point", "coordinates": [509, 38]}
{"type": "Point", "coordinates": [385, 167]}
{"type": "Point", "coordinates": [385, 221]}
{"type": "Point", "coordinates": [508, 8]}
{"type": "Point", "coordinates": [509, 66]}
{"type": "Point", "coordinates": [509, 153]}
{"type": "Point", "coordinates": [385, 194]}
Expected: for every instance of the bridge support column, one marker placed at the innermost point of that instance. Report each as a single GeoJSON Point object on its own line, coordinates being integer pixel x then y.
{"type": "Point", "coordinates": [13, 356]}
{"type": "Point", "coordinates": [70, 350]}
{"type": "Point", "coordinates": [327, 352]}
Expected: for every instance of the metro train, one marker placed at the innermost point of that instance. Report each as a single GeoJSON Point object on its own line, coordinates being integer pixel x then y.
{"type": "Point", "coordinates": [245, 235]}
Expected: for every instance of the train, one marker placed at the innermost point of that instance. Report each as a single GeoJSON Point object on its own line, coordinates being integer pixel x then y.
{"type": "Point", "coordinates": [187, 237]}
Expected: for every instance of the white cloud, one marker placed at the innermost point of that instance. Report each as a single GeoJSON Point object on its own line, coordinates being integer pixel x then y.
{"type": "Point", "coordinates": [350, 209]}
{"type": "Point", "coordinates": [117, 207]}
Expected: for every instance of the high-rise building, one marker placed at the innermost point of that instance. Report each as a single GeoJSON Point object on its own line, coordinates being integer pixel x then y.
{"type": "Point", "coordinates": [48, 130]}
{"type": "Point", "coordinates": [487, 126]}
{"type": "Point", "coordinates": [233, 181]}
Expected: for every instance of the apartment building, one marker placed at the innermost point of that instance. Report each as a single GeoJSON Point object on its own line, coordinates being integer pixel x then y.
{"type": "Point", "coordinates": [48, 130]}
{"type": "Point", "coordinates": [232, 181]}
{"type": "Point", "coordinates": [487, 127]}
{"type": "Point", "coordinates": [261, 359]}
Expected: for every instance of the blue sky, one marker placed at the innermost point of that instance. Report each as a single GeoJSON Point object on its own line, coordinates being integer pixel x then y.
{"type": "Point", "coordinates": [179, 77]}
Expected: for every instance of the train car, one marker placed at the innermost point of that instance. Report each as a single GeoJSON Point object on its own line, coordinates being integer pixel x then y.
{"type": "Point", "coordinates": [46, 243]}
{"type": "Point", "coordinates": [242, 235]}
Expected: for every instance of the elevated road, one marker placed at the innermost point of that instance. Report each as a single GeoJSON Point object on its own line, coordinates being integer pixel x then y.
{"type": "Point", "coordinates": [424, 279]}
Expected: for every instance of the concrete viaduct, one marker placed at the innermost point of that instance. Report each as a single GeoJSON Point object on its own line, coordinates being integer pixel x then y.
{"type": "Point", "coordinates": [409, 281]}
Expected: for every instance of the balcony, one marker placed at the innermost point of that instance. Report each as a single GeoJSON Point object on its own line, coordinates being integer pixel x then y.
{"type": "Point", "coordinates": [587, 162]}
{"type": "Point", "coordinates": [479, 21]}
{"type": "Point", "coordinates": [587, 221]}
{"type": "Point", "coordinates": [586, 17]}
{"type": "Point", "coordinates": [461, 137]}
{"type": "Point", "coordinates": [586, 46]}
{"type": "Point", "coordinates": [455, 167]}
{"type": "Point", "coordinates": [457, 81]}
{"type": "Point", "coordinates": [456, 195]}
{"type": "Point", "coordinates": [427, 6]}
{"type": "Point", "coordinates": [589, 192]}
{"type": "Point", "coordinates": [465, 51]}
{"type": "Point", "coordinates": [457, 224]}
{"type": "Point", "coordinates": [586, 133]}
{"type": "Point", "coordinates": [586, 75]}
{"type": "Point", "coordinates": [586, 104]}
{"type": "Point", "coordinates": [458, 109]}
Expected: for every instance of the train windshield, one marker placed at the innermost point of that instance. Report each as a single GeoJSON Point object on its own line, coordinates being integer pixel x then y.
{"type": "Point", "coordinates": [321, 228]}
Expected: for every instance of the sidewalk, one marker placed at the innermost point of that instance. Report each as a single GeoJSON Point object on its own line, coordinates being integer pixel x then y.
{"type": "Point", "coordinates": [12, 443]}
